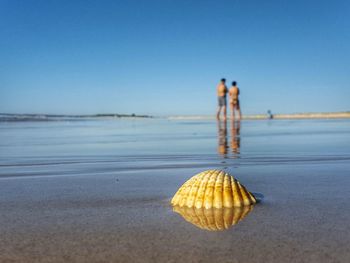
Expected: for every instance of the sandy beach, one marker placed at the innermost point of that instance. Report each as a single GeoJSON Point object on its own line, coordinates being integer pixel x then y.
{"type": "Point", "coordinates": [108, 108]}
{"type": "Point", "coordinates": [99, 190]}
{"type": "Point", "coordinates": [278, 116]}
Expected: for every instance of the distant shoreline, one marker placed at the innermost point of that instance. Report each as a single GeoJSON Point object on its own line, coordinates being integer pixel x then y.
{"type": "Point", "coordinates": [316, 115]}
{"type": "Point", "coordinates": [11, 117]}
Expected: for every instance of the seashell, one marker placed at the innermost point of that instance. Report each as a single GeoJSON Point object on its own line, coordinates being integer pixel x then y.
{"type": "Point", "coordinates": [212, 188]}
{"type": "Point", "coordinates": [213, 219]}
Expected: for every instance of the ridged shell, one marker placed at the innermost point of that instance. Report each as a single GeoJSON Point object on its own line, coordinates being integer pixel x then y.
{"type": "Point", "coordinates": [212, 189]}
{"type": "Point", "coordinates": [213, 219]}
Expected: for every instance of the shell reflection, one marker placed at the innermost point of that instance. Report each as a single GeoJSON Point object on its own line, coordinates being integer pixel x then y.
{"type": "Point", "coordinates": [213, 219]}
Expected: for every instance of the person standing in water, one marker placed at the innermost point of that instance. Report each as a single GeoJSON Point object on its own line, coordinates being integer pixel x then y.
{"type": "Point", "coordinates": [234, 101]}
{"type": "Point", "coordinates": [221, 92]}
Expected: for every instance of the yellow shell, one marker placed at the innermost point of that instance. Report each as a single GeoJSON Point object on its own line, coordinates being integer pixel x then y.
{"type": "Point", "coordinates": [213, 219]}
{"type": "Point", "coordinates": [212, 189]}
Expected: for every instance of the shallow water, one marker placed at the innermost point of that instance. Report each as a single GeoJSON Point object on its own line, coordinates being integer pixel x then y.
{"type": "Point", "coordinates": [99, 190]}
{"type": "Point", "coordinates": [102, 146]}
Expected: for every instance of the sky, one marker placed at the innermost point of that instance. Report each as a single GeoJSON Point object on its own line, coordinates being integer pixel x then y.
{"type": "Point", "coordinates": [166, 57]}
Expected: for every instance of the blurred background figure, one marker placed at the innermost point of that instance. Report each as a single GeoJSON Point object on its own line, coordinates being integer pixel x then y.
{"type": "Point", "coordinates": [221, 93]}
{"type": "Point", "coordinates": [269, 115]}
{"type": "Point", "coordinates": [234, 101]}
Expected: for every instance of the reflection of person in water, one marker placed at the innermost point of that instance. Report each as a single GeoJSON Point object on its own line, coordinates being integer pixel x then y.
{"type": "Point", "coordinates": [222, 132]}
{"type": "Point", "coordinates": [235, 137]}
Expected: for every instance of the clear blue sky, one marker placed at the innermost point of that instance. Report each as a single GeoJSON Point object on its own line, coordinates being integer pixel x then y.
{"type": "Point", "coordinates": [166, 57]}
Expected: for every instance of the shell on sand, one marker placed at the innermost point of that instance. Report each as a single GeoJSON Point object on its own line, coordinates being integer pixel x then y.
{"type": "Point", "coordinates": [213, 219]}
{"type": "Point", "coordinates": [212, 189]}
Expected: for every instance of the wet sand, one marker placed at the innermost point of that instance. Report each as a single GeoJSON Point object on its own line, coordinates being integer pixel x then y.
{"type": "Point", "coordinates": [107, 204]}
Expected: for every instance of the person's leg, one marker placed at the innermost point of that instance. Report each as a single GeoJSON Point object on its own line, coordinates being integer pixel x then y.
{"type": "Point", "coordinates": [239, 114]}
{"type": "Point", "coordinates": [218, 113]}
{"type": "Point", "coordinates": [232, 111]}
{"type": "Point", "coordinates": [224, 110]}
{"type": "Point", "coordinates": [239, 111]}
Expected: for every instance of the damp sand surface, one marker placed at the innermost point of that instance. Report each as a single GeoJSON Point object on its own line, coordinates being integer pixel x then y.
{"type": "Point", "coordinates": [99, 190]}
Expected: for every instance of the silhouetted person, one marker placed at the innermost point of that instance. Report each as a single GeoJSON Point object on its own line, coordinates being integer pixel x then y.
{"type": "Point", "coordinates": [222, 140]}
{"type": "Point", "coordinates": [234, 101]}
{"type": "Point", "coordinates": [221, 93]}
{"type": "Point", "coordinates": [269, 115]}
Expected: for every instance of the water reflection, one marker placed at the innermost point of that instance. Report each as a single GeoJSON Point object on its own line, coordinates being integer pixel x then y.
{"type": "Point", "coordinates": [235, 143]}
{"type": "Point", "coordinates": [213, 219]}
{"type": "Point", "coordinates": [235, 137]}
{"type": "Point", "coordinates": [222, 132]}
